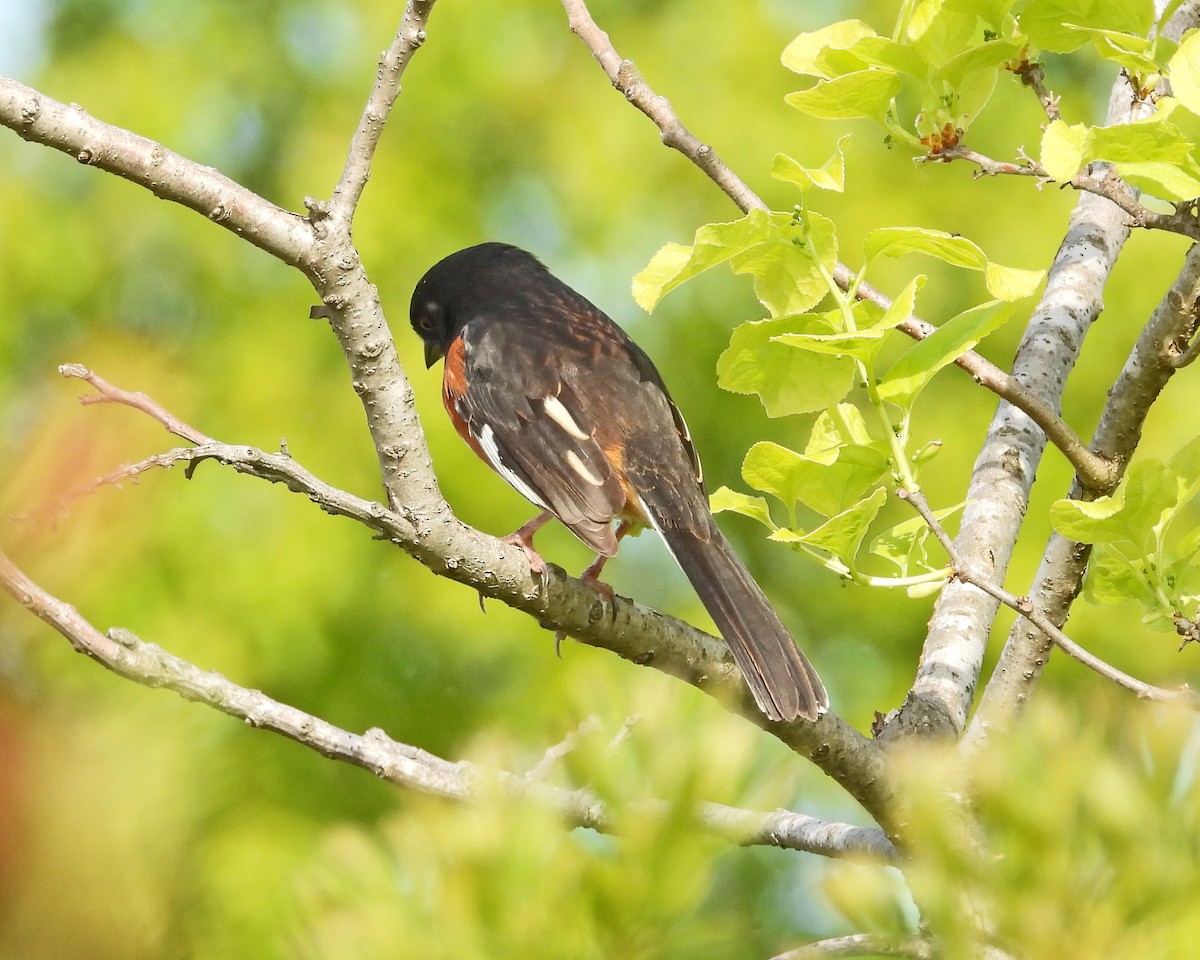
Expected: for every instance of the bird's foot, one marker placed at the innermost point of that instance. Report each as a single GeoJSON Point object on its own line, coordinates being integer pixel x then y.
{"type": "Point", "coordinates": [523, 537]}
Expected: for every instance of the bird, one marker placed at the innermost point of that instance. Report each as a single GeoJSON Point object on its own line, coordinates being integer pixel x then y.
{"type": "Point", "coordinates": [557, 399]}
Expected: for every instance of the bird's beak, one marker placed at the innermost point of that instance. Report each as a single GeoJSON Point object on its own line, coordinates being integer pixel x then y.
{"type": "Point", "coordinates": [433, 353]}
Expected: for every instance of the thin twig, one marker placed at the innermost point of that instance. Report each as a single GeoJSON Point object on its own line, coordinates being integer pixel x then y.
{"type": "Point", "coordinates": [399, 763]}
{"type": "Point", "coordinates": [107, 393]}
{"type": "Point", "coordinates": [1025, 607]}
{"type": "Point", "coordinates": [1099, 179]}
{"type": "Point", "coordinates": [386, 89]}
{"type": "Point", "coordinates": [863, 945]}
{"type": "Point", "coordinates": [1033, 75]}
{"type": "Point", "coordinates": [625, 77]}
{"type": "Point", "coordinates": [565, 747]}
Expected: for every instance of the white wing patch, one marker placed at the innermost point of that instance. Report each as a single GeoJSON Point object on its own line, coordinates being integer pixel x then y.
{"type": "Point", "coordinates": [487, 440]}
{"type": "Point", "coordinates": [562, 416]}
{"type": "Point", "coordinates": [583, 470]}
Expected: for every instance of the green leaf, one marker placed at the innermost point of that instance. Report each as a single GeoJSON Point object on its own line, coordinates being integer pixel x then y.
{"type": "Point", "coordinates": [826, 483]}
{"type": "Point", "coordinates": [841, 535]}
{"type": "Point", "coordinates": [899, 241]}
{"type": "Point", "coordinates": [835, 428]}
{"type": "Point", "coordinates": [725, 500]}
{"type": "Point", "coordinates": [1113, 579]}
{"type": "Point", "coordinates": [1139, 505]}
{"type": "Point", "coordinates": [862, 343]}
{"type": "Point", "coordinates": [1184, 73]}
{"type": "Point", "coordinates": [1054, 24]}
{"type": "Point", "coordinates": [787, 275]}
{"type": "Point", "coordinates": [905, 545]}
{"type": "Point", "coordinates": [784, 258]}
{"type": "Point", "coordinates": [714, 243]}
{"type": "Point", "coordinates": [1004, 283]}
{"type": "Point", "coordinates": [1153, 152]}
{"type": "Point", "coordinates": [787, 380]}
{"type": "Point", "coordinates": [1063, 150]}
{"type": "Point", "coordinates": [865, 93]}
{"type": "Point", "coordinates": [807, 53]}
{"type": "Point", "coordinates": [917, 365]}
{"type": "Point", "coordinates": [831, 175]}
{"type": "Point", "coordinates": [982, 57]}
{"type": "Point", "coordinates": [1011, 283]}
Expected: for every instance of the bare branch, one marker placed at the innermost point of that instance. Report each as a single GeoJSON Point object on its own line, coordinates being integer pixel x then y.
{"type": "Point", "coordinates": [625, 76]}
{"type": "Point", "coordinates": [392, 63]}
{"type": "Point", "coordinates": [40, 119]}
{"type": "Point", "coordinates": [1033, 76]}
{"type": "Point", "coordinates": [1100, 179]}
{"type": "Point", "coordinates": [1025, 607]}
{"type": "Point", "coordinates": [107, 393]}
{"type": "Point", "coordinates": [863, 945]}
{"type": "Point", "coordinates": [402, 764]}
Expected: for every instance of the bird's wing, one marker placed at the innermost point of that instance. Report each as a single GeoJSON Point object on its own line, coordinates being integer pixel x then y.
{"type": "Point", "coordinates": [530, 425]}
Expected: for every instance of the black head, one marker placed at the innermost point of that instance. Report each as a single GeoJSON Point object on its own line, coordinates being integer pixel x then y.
{"type": "Point", "coordinates": [479, 279]}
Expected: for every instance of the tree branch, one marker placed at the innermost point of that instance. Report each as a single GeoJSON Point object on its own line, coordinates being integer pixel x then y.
{"type": "Point", "coordinates": [625, 77]}
{"type": "Point", "coordinates": [1026, 608]}
{"type": "Point", "coordinates": [635, 633]}
{"type": "Point", "coordinates": [37, 118]}
{"type": "Point", "coordinates": [404, 765]}
{"type": "Point", "coordinates": [1147, 370]}
{"type": "Point", "coordinates": [1105, 182]}
{"type": "Point", "coordinates": [863, 945]}
{"type": "Point", "coordinates": [357, 170]}
{"type": "Point", "coordinates": [998, 496]}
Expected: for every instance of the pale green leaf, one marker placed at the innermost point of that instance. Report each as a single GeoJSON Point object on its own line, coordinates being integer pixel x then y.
{"type": "Point", "coordinates": [802, 54]}
{"type": "Point", "coordinates": [714, 243]}
{"type": "Point", "coordinates": [899, 241]}
{"type": "Point", "coordinates": [1011, 283]}
{"type": "Point", "coordinates": [917, 366]}
{"type": "Point", "coordinates": [865, 93]}
{"type": "Point", "coordinates": [787, 275]}
{"type": "Point", "coordinates": [826, 484]}
{"type": "Point", "coordinates": [1053, 24]}
{"type": "Point", "coordinates": [840, 535]}
{"type": "Point", "coordinates": [1184, 73]}
{"type": "Point", "coordinates": [905, 545]}
{"type": "Point", "coordinates": [831, 175]}
{"type": "Point", "coordinates": [787, 380]}
{"type": "Point", "coordinates": [725, 500]}
{"type": "Point", "coordinates": [1063, 150]}
{"type": "Point", "coordinates": [835, 428]}
{"type": "Point", "coordinates": [986, 57]}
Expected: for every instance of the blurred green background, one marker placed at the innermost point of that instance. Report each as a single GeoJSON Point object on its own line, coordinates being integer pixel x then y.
{"type": "Point", "coordinates": [133, 824]}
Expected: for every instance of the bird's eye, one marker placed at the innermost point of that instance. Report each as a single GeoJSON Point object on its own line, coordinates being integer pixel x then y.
{"type": "Point", "coordinates": [427, 321]}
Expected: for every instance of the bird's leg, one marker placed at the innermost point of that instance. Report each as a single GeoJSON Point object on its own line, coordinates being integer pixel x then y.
{"type": "Point", "coordinates": [592, 575]}
{"type": "Point", "coordinates": [523, 537]}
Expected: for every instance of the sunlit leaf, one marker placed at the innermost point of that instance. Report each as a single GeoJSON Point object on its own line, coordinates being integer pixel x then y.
{"type": "Point", "coordinates": [917, 366]}
{"type": "Point", "coordinates": [867, 93]}
{"type": "Point", "coordinates": [787, 380]}
{"type": "Point", "coordinates": [724, 500]}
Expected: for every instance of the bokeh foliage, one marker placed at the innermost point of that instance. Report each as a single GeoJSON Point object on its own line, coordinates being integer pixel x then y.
{"type": "Point", "coordinates": [135, 825]}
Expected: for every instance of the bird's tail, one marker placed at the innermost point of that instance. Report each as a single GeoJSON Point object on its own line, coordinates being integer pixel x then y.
{"type": "Point", "coordinates": [783, 682]}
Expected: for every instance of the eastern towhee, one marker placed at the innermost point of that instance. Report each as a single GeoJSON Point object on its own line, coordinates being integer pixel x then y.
{"type": "Point", "coordinates": [561, 403]}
